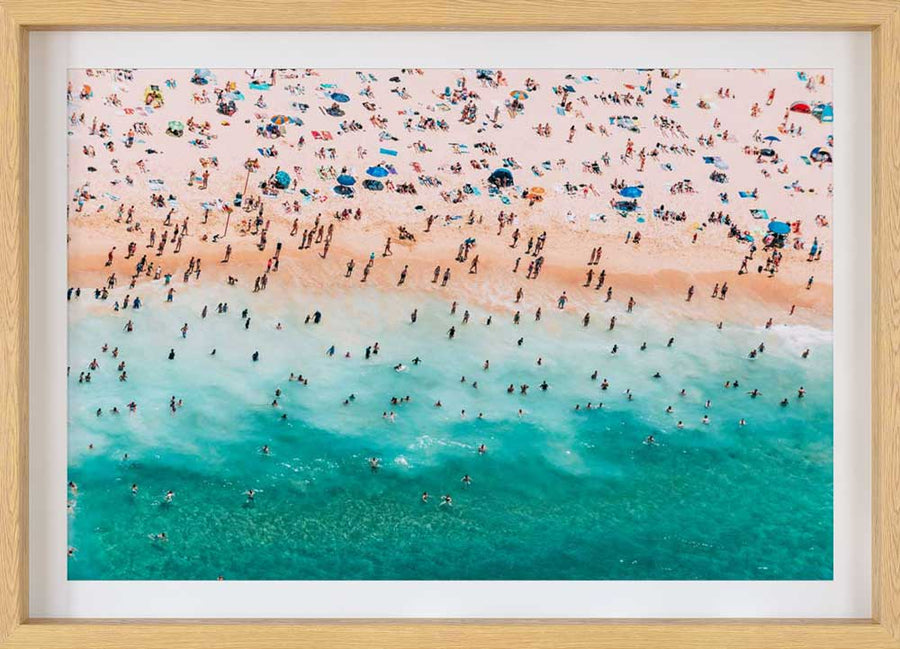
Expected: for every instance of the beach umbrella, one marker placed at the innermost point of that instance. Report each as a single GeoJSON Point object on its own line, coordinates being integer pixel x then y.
{"type": "Point", "coordinates": [672, 92]}
{"type": "Point", "coordinates": [282, 179]}
{"type": "Point", "coordinates": [501, 178]}
{"type": "Point", "coordinates": [343, 190]}
{"type": "Point", "coordinates": [772, 138]}
{"type": "Point", "coordinates": [201, 76]}
{"type": "Point", "coordinates": [631, 192]}
{"type": "Point", "coordinates": [175, 125]}
{"type": "Point", "coordinates": [346, 180]}
{"type": "Point", "coordinates": [767, 153]}
{"type": "Point", "coordinates": [820, 155]}
{"type": "Point", "coordinates": [340, 97]}
{"type": "Point", "coordinates": [800, 107]}
{"type": "Point", "coordinates": [518, 94]}
{"type": "Point", "coordinates": [280, 119]}
{"type": "Point", "coordinates": [779, 227]}
{"type": "Point", "coordinates": [538, 191]}
{"type": "Point", "coordinates": [377, 172]}
{"type": "Point", "coordinates": [718, 163]}
{"type": "Point", "coordinates": [419, 208]}
{"type": "Point", "coordinates": [373, 185]}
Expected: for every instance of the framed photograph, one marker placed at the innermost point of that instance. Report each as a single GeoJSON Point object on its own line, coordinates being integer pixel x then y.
{"type": "Point", "coordinates": [399, 328]}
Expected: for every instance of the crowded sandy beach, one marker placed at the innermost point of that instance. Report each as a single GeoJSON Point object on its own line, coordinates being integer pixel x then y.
{"type": "Point", "coordinates": [474, 295]}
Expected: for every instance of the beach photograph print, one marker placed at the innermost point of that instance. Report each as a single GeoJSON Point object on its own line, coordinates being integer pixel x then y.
{"type": "Point", "coordinates": [450, 324]}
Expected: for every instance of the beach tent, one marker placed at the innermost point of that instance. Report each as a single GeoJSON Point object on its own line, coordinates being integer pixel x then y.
{"type": "Point", "coordinates": [346, 180]}
{"type": "Point", "coordinates": [501, 178]}
{"type": "Point", "coordinates": [801, 107]}
{"type": "Point", "coordinates": [823, 112]}
{"type": "Point", "coordinates": [779, 227]}
{"type": "Point", "coordinates": [377, 171]}
{"type": "Point", "coordinates": [631, 192]}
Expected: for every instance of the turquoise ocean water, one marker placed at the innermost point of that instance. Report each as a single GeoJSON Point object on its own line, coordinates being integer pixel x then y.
{"type": "Point", "coordinates": [559, 494]}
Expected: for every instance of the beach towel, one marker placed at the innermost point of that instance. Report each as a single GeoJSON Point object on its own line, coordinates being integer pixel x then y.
{"type": "Point", "coordinates": [387, 152]}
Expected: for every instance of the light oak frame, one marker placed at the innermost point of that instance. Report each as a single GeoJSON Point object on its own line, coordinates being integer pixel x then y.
{"type": "Point", "coordinates": [19, 17]}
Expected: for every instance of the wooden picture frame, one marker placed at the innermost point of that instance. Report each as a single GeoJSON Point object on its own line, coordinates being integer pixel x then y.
{"type": "Point", "coordinates": [19, 17]}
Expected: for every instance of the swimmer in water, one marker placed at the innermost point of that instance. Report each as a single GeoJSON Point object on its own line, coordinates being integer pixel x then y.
{"type": "Point", "coordinates": [705, 419]}
{"type": "Point", "coordinates": [424, 496]}
{"type": "Point", "coordinates": [446, 500]}
{"type": "Point", "coordinates": [679, 425]}
{"type": "Point", "coordinates": [134, 489]}
{"type": "Point", "coordinates": [373, 463]}
{"type": "Point", "coordinates": [265, 449]}
{"type": "Point", "coordinates": [466, 480]}
{"type": "Point", "coordinates": [170, 495]}
{"type": "Point", "coordinates": [650, 440]}
{"type": "Point", "coordinates": [250, 494]}
{"type": "Point", "coordinates": [482, 449]}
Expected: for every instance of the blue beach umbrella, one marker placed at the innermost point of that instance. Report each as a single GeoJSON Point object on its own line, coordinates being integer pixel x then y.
{"type": "Point", "coordinates": [373, 185]}
{"type": "Point", "coordinates": [377, 172]}
{"type": "Point", "coordinates": [501, 178]}
{"type": "Point", "coordinates": [779, 227]}
{"type": "Point", "coordinates": [343, 190]}
{"type": "Point", "coordinates": [631, 192]}
{"type": "Point", "coordinates": [820, 155]}
{"type": "Point", "coordinates": [282, 179]}
{"type": "Point", "coordinates": [346, 180]}
{"type": "Point", "coordinates": [340, 97]}
{"type": "Point", "coordinates": [772, 138]}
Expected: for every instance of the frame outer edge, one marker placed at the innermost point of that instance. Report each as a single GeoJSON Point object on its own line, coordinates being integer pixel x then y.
{"type": "Point", "coordinates": [13, 324]}
{"type": "Point", "coordinates": [14, 392]}
{"type": "Point", "coordinates": [886, 326]}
